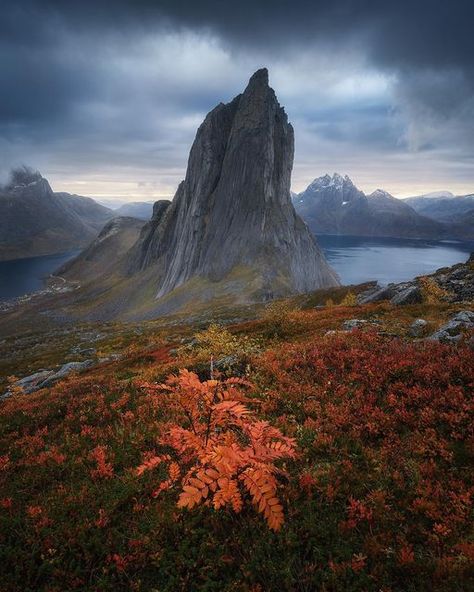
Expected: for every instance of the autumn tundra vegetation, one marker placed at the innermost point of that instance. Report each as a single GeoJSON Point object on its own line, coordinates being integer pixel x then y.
{"type": "Point", "coordinates": [275, 454]}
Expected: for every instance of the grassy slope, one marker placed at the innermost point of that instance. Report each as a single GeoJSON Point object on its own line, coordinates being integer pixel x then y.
{"type": "Point", "coordinates": [379, 499]}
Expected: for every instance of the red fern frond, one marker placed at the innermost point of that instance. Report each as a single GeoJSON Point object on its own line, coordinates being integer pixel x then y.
{"type": "Point", "coordinates": [151, 463]}
{"type": "Point", "coordinates": [262, 487]}
{"type": "Point", "coordinates": [223, 451]}
{"type": "Point", "coordinates": [190, 497]}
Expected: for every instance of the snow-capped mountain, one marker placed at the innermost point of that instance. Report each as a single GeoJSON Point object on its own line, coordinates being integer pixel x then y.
{"type": "Point", "coordinates": [443, 206]}
{"type": "Point", "coordinates": [334, 205]}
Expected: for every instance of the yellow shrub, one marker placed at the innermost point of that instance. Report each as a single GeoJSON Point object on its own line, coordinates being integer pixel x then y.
{"type": "Point", "coordinates": [349, 299]}
{"type": "Point", "coordinates": [277, 317]}
{"type": "Point", "coordinates": [431, 292]}
{"type": "Point", "coordinates": [217, 342]}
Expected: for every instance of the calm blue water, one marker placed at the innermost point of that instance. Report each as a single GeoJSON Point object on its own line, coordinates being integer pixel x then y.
{"type": "Point", "coordinates": [358, 259]}
{"type": "Point", "coordinates": [24, 276]}
{"type": "Point", "coordinates": [355, 259]}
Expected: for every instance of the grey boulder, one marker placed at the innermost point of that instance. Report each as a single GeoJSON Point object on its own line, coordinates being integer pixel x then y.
{"type": "Point", "coordinates": [417, 328]}
{"type": "Point", "coordinates": [410, 295]}
{"type": "Point", "coordinates": [46, 378]}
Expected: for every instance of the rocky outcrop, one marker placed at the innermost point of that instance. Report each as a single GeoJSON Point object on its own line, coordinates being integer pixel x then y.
{"type": "Point", "coordinates": [233, 211]}
{"type": "Point", "coordinates": [36, 221]}
{"type": "Point", "coordinates": [334, 205]}
{"type": "Point", "coordinates": [230, 237]}
{"type": "Point", "coordinates": [46, 378]}
{"type": "Point", "coordinates": [454, 330]}
{"type": "Point", "coordinates": [456, 284]}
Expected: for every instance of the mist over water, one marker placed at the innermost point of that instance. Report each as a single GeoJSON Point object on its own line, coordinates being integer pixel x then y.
{"type": "Point", "coordinates": [360, 259]}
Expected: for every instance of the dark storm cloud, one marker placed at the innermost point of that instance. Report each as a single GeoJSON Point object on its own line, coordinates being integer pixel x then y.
{"type": "Point", "coordinates": [73, 81]}
{"type": "Point", "coordinates": [404, 34]}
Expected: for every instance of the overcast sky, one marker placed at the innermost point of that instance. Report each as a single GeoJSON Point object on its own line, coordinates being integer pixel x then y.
{"type": "Point", "coordinates": [104, 98]}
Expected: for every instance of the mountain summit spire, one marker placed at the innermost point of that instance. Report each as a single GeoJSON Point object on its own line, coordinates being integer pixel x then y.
{"type": "Point", "coordinates": [231, 232]}
{"type": "Point", "coordinates": [259, 78]}
{"type": "Point", "coordinates": [233, 210]}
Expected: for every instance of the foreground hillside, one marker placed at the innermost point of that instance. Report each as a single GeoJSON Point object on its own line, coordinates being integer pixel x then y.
{"type": "Point", "coordinates": [361, 479]}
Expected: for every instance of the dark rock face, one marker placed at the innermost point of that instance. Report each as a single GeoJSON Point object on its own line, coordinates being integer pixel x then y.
{"type": "Point", "coordinates": [159, 208]}
{"type": "Point", "coordinates": [334, 205]}
{"type": "Point", "coordinates": [36, 221]}
{"type": "Point", "coordinates": [233, 210]}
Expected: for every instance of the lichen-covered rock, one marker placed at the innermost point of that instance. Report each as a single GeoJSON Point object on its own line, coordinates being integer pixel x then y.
{"type": "Point", "coordinates": [417, 328]}
{"type": "Point", "coordinates": [453, 330]}
{"type": "Point", "coordinates": [410, 295]}
{"type": "Point", "coordinates": [465, 316]}
{"type": "Point", "coordinates": [46, 378]}
{"type": "Point", "coordinates": [354, 324]}
{"type": "Point", "coordinates": [377, 294]}
{"type": "Point", "coordinates": [64, 371]}
{"type": "Point", "coordinates": [444, 337]}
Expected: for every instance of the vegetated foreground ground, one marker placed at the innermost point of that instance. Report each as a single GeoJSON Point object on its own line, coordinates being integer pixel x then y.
{"type": "Point", "coordinates": [370, 461]}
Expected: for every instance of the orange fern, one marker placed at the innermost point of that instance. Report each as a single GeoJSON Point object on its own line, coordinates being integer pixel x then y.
{"type": "Point", "coordinates": [223, 454]}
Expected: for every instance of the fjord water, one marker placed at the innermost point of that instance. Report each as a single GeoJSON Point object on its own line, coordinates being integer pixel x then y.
{"type": "Point", "coordinates": [24, 276]}
{"type": "Point", "coordinates": [356, 260]}
{"type": "Point", "coordinates": [361, 259]}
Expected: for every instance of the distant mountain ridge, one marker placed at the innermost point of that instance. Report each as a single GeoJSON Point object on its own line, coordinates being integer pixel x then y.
{"type": "Point", "coordinates": [334, 205]}
{"type": "Point", "coordinates": [143, 210]}
{"type": "Point", "coordinates": [36, 221]}
{"type": "Point", "coordinates": [444, 207]}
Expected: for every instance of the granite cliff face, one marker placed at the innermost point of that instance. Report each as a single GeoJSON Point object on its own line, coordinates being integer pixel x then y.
{"type": "Point", "coordinates": [233, 210]}
{"type": "Point", "coordinates": [334, 205]}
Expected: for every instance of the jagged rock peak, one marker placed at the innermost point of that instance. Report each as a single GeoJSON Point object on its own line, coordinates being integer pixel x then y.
{"type": "Point", "coordinates": [21, 177]}
{"type": "Point", "coordinates": [24, 175]}
{"type": "Point", "coordinates": [259, 78]}
{"type": "Point", "coordinates": [24, 180]}
{"type": "Point", "coordinates": [336, 180]}
{"type": "Point", "coordinates": [233, 210]}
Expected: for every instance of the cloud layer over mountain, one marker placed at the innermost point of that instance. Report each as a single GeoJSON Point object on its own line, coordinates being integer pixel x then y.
{"type": "Point", "coordinates": [104, 97]}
